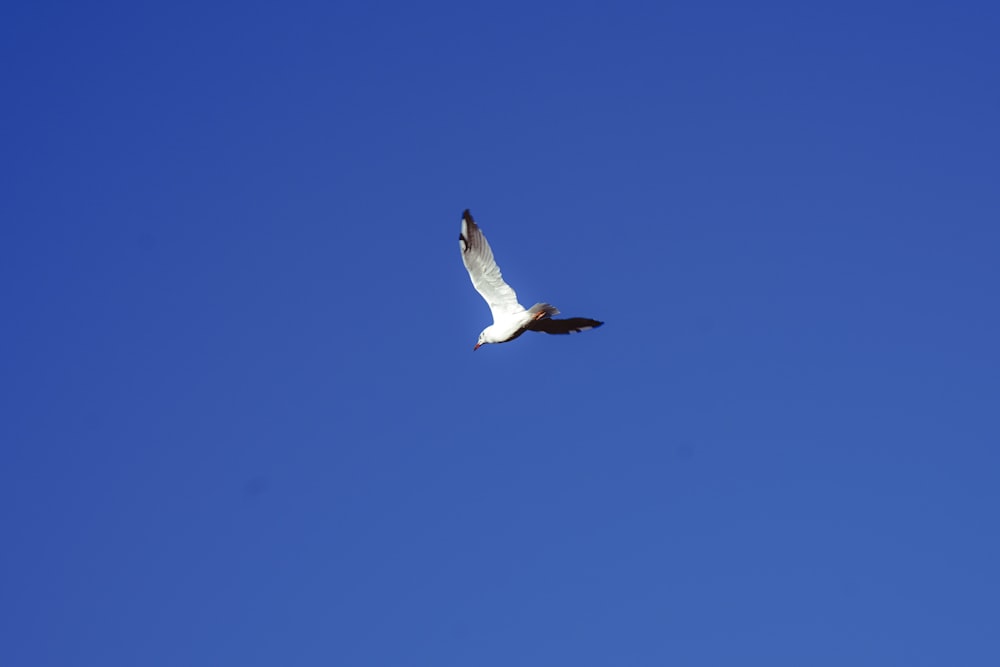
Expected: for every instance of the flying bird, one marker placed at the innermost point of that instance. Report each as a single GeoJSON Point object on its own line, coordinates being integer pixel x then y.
{"type": "Point", "coordinates": [510, 319]}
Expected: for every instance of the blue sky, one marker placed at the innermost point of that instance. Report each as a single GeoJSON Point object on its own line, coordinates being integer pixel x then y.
{"type": "Point", "coordinates": [242, 419]}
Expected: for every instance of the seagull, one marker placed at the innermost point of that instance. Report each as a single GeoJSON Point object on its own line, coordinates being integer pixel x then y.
{"type": "Point", "coordinates": [510, 319]}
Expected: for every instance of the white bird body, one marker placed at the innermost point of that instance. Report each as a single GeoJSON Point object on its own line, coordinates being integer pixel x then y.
{"type": "Point", "coordinates": [505, 329]}
{"type": "Point", "coordinates": [510, 318]}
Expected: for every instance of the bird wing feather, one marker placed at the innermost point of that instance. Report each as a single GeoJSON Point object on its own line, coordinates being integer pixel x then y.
{"type": "Point", "coordinates": [484, 272]}
{"type": "Point", "coordinates": [566, 326]}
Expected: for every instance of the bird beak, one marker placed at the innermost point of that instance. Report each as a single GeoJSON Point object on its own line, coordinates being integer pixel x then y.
{"type": "Point", "coordinates": [476, 347]}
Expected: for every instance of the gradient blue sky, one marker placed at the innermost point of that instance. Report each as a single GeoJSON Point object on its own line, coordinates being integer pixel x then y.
{"type": "Point", "coordinates": [242, 420]}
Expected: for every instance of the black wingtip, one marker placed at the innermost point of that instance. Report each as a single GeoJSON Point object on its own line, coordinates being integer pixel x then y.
{"type": "Point", "coordinates": [467, 223]}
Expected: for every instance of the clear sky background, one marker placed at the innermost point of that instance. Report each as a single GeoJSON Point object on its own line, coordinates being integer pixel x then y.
{"type": "Point", "coordinates": [242, 421]}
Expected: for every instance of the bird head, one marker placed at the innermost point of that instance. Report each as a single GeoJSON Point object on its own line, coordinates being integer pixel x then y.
{"type": "Point", "coordinates": [487, 335]}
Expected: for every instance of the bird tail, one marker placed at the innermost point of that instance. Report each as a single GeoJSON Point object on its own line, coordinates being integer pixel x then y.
{"type": "Point", "coordinates": [543, 310]}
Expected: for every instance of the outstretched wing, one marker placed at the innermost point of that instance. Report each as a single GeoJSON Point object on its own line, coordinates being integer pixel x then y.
{"type": "Point", "coordinates": [567, 326]}
{"type": "Point", "coordinates": [484, 272]}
